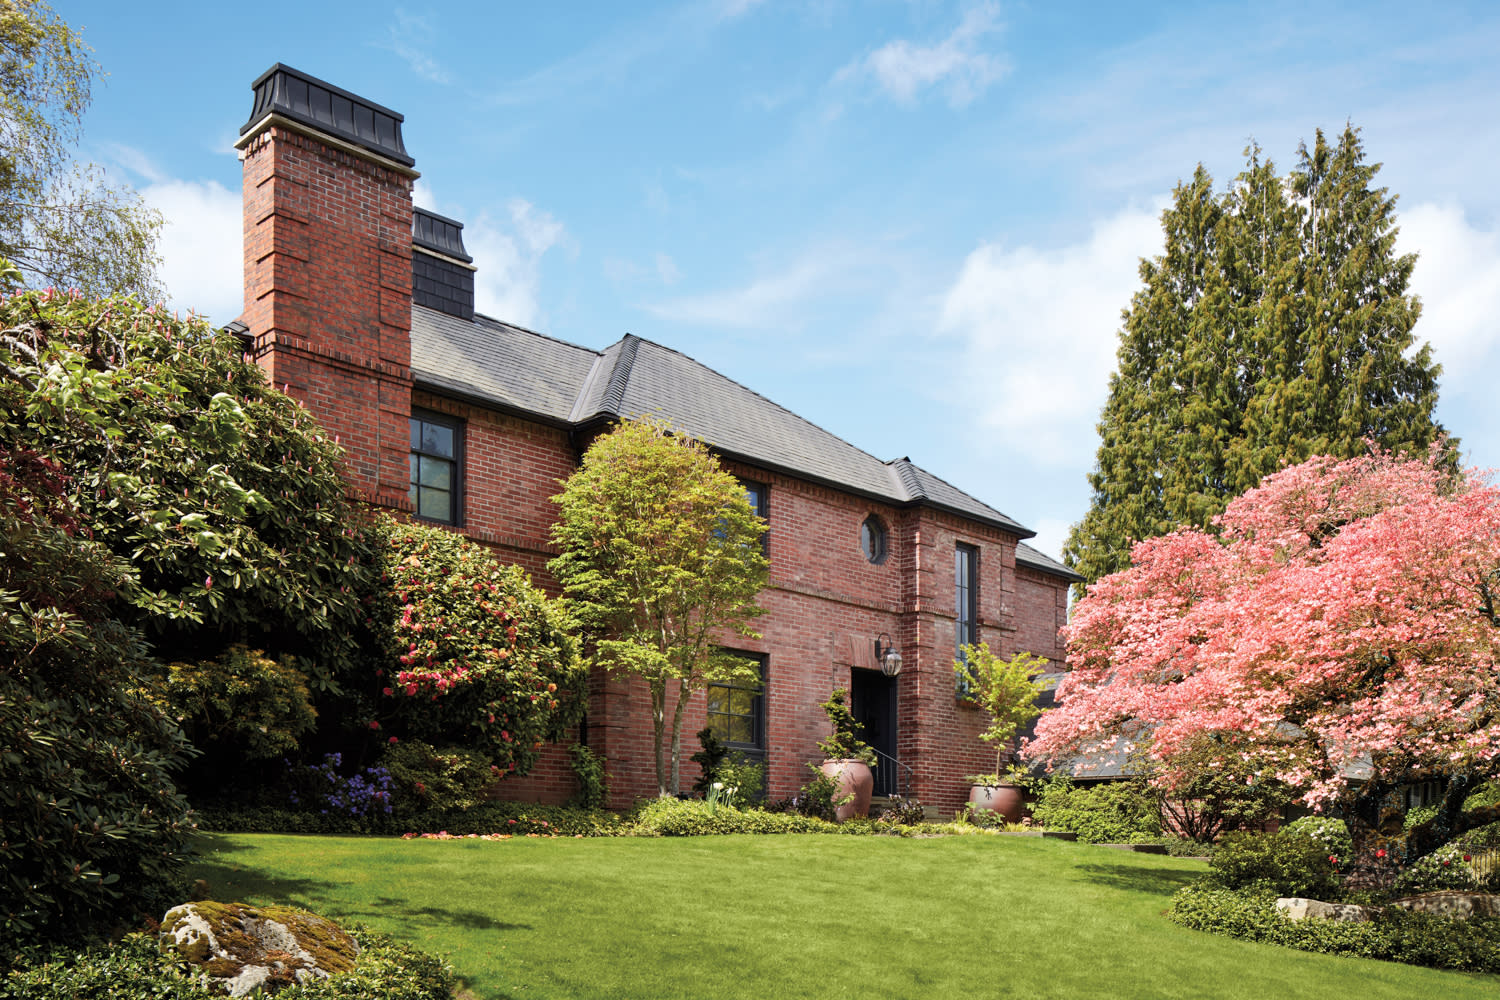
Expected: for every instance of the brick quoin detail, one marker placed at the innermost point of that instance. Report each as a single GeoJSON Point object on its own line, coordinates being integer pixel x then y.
{"type": "Point", "coordinates": [328, 271]}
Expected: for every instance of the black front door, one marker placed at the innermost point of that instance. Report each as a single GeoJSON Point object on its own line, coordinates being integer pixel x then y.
{"type": "Point", "coordinates": [872, 697]}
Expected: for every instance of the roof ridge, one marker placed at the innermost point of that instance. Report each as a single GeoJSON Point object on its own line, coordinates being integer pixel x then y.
{"type": "Point", "coordinates": [619, 378]}
{"type": "Point", "coordinates": [906, 472]}
{"type": "Point", "coordinates": [791, 413]}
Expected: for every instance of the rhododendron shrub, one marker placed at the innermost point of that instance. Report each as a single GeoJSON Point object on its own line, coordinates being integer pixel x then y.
{"type": "Point", "coordinates": [1342, 623]}
{"type": "Point", "coordinates": [470, 652]}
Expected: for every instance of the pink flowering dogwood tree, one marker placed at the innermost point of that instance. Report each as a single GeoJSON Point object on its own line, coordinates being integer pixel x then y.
{"type": "Point", "coordinates": [1339, 634]}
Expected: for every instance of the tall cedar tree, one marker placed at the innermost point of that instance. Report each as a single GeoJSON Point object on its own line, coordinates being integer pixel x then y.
{"type": "Point", "coordinates": [662, 560]}
{"type": "Point", "coordinates": [1275, 326]}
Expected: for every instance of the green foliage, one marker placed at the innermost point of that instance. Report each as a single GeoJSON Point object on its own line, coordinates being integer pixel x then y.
{"type": "Point", "coordinates": [1281, 864]}
{"type": "Point", "coordinates": [1418, 815]}
{"type": "Point", "coordinates": [488, 817]}
{"type": "Point", "coordinates": [1276, 326]}
{"type": "Point", "coordinates": [593, 780]}
{"type": "Point", "coordinates": [90, 823]}
{"type": "Point", "coordinates": [661, 558]}
{"type": "Point", "coordinates": [1006, 689]}
{"type": "Point", "coordinates": [471, 653]}
{"type": "Point", "coordinates": [903, 811]}
{"type": "Point", "coordinates": [844, 742]}
{"type": "Point", "coordinates": [135, 967]}
{"type": "Point", "coordinates": [1394, 934]}
{"type": "Point", "coordinates": [1445, 868]}
{"type": "Point", "coordinates": [814, 799]}
{"type": "Point", "coordinates": [60, 221]}
{"type": "Point", "coordinates": [730, 768]}
{"type": "Point", "coordinates": [427, 778]}
{"type": "Point", "coordinates": [667, 817]}
{"type": "Point", "coordinates": [1212, 785]}
{"type": "Point", "coordinates": [1332, 835]}
{"type": "Point", "coordinates": [221, 492]}
{"type": "Point", "coordinates": [242, 701]}
{"type": "Point", "coordinates": [1106, 813]}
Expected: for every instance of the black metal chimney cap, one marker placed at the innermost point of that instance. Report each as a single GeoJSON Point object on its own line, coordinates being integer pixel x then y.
{"type": "Point", "coordinates": [439, 234]}
{"type": "Point", "coordinates": [329, 109]}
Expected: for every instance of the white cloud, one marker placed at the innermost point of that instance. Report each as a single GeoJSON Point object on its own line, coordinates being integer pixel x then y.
{"type": "Point", "coordinates": [730, 9]}
{"type": "Point", "coordinates": [1458, 278]}
{"type": "Point", "coordinates": [201, 246]}
{"type": "Point", "coordinates": [771, 300]}
{"type": "Point", "coordinates": [508, 255]}
{"type": "Point", "coordinates": [904, 69]}
{"type": "Point", "coordinates": [1051, 532]}
{"type": "Point", "coordinates": [1039, 329]}
{"type": "Point", "coordinates": [411, 38]}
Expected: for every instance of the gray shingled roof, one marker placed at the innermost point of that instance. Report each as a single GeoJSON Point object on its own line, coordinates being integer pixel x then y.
{"type": "Point", "coordinates": [1036, 559]}
{"type": "Point", "coordinates": [527, 372]}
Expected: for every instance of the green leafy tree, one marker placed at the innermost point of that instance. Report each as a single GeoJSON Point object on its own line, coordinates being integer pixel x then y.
{"type": "Point", "coordinates": [1276, 325]}
{"type": "Point", "coordinates": [1006, 689]}
{"type": "Point", "coordinates": [62, 222]}
{"type": "Point", "coordinates": [661, 556]}
{"type": "Point", "coordinates": [221, 492]}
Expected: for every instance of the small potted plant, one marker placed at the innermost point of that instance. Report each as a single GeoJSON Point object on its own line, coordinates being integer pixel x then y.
{"type": "Point", "coordinates": [849, 759]}
{"type": "Point", "coordinates": [1007, 691]}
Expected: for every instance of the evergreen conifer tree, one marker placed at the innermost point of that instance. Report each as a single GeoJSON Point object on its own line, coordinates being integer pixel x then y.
{"type": "Point", "coordinates": [1276, 325]}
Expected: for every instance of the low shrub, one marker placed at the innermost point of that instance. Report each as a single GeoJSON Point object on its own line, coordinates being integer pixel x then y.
{"type": "Point", "coordinates": [1393, 934]}
{"type": "Point", "coordinates": [324, 788]}
{"type": "Point", "coordinates": [1280, 864]}
{"type": "Point", "coordinates": [695, 818]}
{"type": "Point", "coordinates": [1108, 813]}
{"type": "Point", "coordinates": [1445, 868]}
{"type": "Point", "coordinates": [488, 817]}
{"type": "Point", "coordinates": [903, 811]}
{"type": "Point", "coordinates": [1332, 834]}
{"type": "Point", "coordinates": [426, 777]}
{"type": "Point", "coordinates": [135, 967]}
{"type": "Point", "coordinates": [815, 799]}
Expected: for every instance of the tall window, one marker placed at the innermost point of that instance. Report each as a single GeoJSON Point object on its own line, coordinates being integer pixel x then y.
{"type": "Point", "coordinates": [756, 493]}
{"type": "Point", "coordinates": [436, 446]}
{"type": "Point", "coordinates": [965, 603]}
{"type": "Point", "coordinates": [737, 711]}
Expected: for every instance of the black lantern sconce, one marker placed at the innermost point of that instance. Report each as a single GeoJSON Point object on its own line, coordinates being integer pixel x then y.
{"type": "Point", "coordinates": [886, 655]}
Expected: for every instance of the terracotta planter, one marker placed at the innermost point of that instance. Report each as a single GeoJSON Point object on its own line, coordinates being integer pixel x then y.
{"type": "Point", "coordinates": [1006, 800]}
{"type": "Point", "coordinates": [851, 776]}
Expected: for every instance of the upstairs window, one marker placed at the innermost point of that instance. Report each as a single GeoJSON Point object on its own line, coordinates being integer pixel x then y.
{"type": "Point", "coordinates": [756, 493]}
{"type": "Point", "coordinates": [436, 452]}
{"type": "Point", "coordinates": [965, 605]}
{"type": "Point", "coordinates": [872, 540]}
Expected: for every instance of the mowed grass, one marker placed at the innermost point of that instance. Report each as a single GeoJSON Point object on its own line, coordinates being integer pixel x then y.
{"type": "Point", "coordinates": [793, 916]}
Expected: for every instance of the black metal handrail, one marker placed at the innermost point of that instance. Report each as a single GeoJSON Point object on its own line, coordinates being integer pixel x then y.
{"type": "Point", "coordinates": [888, 780]}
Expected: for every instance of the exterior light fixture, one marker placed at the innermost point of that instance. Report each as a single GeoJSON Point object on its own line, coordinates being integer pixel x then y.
{"type": "Point", "coordinates": [886, 655]}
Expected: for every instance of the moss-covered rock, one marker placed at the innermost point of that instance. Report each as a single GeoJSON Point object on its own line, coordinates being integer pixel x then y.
{"type": "Point", "coordinates": [241, 947]}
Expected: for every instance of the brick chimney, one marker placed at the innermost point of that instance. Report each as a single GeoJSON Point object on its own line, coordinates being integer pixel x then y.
{"type": "Point", "coordinates": [328, 266]}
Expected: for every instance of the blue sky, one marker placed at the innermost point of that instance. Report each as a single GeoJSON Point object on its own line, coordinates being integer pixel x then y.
{"type": "Point", "coordinates": [914, 223]}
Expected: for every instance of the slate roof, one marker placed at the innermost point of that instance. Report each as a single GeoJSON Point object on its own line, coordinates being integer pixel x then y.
{"type": "Point", "coordinates": [511, 368]}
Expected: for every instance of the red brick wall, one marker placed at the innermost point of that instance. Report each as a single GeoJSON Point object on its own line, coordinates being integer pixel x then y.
{"type": "Point", "coordinates": [327, 295]}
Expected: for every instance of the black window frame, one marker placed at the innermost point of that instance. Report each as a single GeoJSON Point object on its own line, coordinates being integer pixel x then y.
{"type": "Point", "coordinates": [874, 526]}
{"type": "Point", "coordinates": [756, 749]}
{"type": "Point", "coordinates": [965, 607]}
{"type": "Point", "coordinates": [758, 493]}
{"type": "Point", "coordinates": [456, 477]}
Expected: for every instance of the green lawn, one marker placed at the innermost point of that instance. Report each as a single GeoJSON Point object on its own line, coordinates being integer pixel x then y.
{"type": "Point", "coordinates": [793, 916]}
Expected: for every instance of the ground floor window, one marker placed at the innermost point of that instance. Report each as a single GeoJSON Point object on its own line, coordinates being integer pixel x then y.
{"type": "Point", "coordinates": [737, 710]}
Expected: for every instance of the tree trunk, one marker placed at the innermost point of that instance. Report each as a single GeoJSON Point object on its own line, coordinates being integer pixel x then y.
{"type": "Point", "coordinates": [683, 693]}
{"type": "Point", "coordinates": [1451, 820]}
{"type": "Point", "coordinates": [658, 727]}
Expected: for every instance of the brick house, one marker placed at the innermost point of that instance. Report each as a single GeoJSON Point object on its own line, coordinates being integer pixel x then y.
{"type": "Point", "coordinates": [363, 308]}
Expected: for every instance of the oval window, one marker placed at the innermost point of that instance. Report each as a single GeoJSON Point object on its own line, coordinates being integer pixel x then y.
{"type": "Point", "coordinates": [872, 539]}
